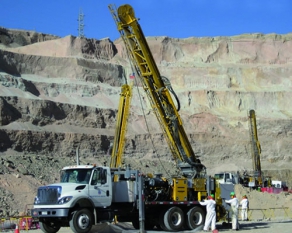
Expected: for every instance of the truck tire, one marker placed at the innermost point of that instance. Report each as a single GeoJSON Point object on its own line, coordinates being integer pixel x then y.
{"type": "Point", "coordinates": [135, 223]}
{"type": "Point", "coordinates": [174, 219]}
{"type": "Point", "coordinates": [161, 221]}
{"type": "Point", "coordinates": [81, 221]}
{"type": "Point", "coordinates": [195, 217]}
{"type": "Point", "coordinates": [49, 227]}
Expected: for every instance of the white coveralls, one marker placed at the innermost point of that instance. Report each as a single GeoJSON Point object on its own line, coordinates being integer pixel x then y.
{"type": "Point", "coordinates": [234, 203]}
{"type": "Point", "coordinates": [244, 207]}
{"type": "Point", "coordinates": [211, 214]}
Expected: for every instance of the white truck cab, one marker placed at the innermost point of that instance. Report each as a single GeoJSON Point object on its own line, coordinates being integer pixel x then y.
{"type": "Point", "coordinates": [82, 189]}
{"type": "Point", "coordinates": [225, 178]}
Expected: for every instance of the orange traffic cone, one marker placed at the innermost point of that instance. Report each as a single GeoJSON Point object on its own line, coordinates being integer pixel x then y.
{"type": "Point", "coordinates": [16, 229]}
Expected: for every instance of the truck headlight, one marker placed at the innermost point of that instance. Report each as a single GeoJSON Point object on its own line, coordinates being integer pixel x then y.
{"type": "Point", "coordinates": [36, 200]}
{"type": "Point", "coordinates": [64, 200]}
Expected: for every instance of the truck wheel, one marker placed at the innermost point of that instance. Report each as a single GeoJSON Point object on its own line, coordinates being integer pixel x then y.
{"type": "Point", "coordinates": [81, 221]}
{"type": "Point", "coordinates": [161, 221]}
{"type": "Point", "coordinates": [195, 217]}
{"type": "Point", "coordinates": [174, 219]}
{"type": "Point", "coordinates": [135, 223]}
{"type": "Point", "coordinates": [49, 227]}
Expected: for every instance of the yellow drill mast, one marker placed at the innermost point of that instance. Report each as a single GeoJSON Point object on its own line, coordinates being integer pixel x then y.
{"type": "Point", "coordinates": [255, 148]}
{"type": "Point", "coordinates": [121, 127]}
{"type": "Point", "coordinates": [158, 90]}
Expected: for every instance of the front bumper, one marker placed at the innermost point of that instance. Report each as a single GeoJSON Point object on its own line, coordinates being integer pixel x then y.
{"type": "Point", "coordinates": [49, 212]}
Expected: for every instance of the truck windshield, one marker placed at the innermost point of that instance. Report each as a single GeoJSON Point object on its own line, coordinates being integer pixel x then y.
{"type": "Point", "coordinates": [76, 176]}
{"type": "Point", "coordinates": [219, 176]}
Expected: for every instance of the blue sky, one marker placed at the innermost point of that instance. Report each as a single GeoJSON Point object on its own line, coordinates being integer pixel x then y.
{"type": "Point", "coordinates": [173, 18]}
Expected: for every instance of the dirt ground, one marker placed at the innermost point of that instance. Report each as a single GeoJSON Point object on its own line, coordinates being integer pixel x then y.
{"type": "Point", "coordinates": [247, 227]}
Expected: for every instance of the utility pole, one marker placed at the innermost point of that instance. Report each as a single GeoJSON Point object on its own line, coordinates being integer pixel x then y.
{"type": "Point", "coordinates": [80, 24]}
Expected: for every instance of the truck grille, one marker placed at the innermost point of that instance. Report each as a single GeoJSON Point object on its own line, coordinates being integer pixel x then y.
{"type": "Point", "coordinates": [48, 195]}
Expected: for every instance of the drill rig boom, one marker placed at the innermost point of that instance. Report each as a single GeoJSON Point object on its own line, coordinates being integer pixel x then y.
{"type": "Point", "coordinates": [158, 90]}
{"type": "Point", "coordinates": [255, 148]}
{"type": "Point", "coordinates": [121, 126]}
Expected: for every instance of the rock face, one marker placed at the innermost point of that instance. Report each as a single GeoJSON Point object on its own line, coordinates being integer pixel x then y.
{"type": "Point", "coordinates": [60, 95]}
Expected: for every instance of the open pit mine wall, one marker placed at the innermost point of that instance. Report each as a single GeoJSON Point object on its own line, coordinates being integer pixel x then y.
{"type": "Point", "coordinates": [62, 93]}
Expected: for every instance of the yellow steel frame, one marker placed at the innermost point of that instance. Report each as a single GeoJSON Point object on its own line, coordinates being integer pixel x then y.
{"type": "Point", "coordinates": [255, 147]}
{"type": "Point", "coordinates": [121, 126]}
{"type": "Point", "coordinates": [157, 88]}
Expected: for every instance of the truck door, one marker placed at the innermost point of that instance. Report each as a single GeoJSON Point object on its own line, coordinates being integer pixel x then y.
{"type": "Point", "coordinates": [100, 188]}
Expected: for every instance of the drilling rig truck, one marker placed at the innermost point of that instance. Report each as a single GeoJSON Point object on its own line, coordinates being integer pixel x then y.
{"type": "Point", "coordinates": [89, 194]}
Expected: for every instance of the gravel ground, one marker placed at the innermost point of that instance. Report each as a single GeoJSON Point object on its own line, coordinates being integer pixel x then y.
{"type": "Point", "coordinates": [262, 227]}
{"type": "Point", "coordinates": [247, 227]}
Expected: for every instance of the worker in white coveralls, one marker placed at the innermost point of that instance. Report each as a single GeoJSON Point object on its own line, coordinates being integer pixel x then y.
{"type": "Point", "coordinates": [234, 203]}
{"type": "Point", "coordinates": [211, 213]}
{"type": "Point", "coordinates": [244, 207]}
